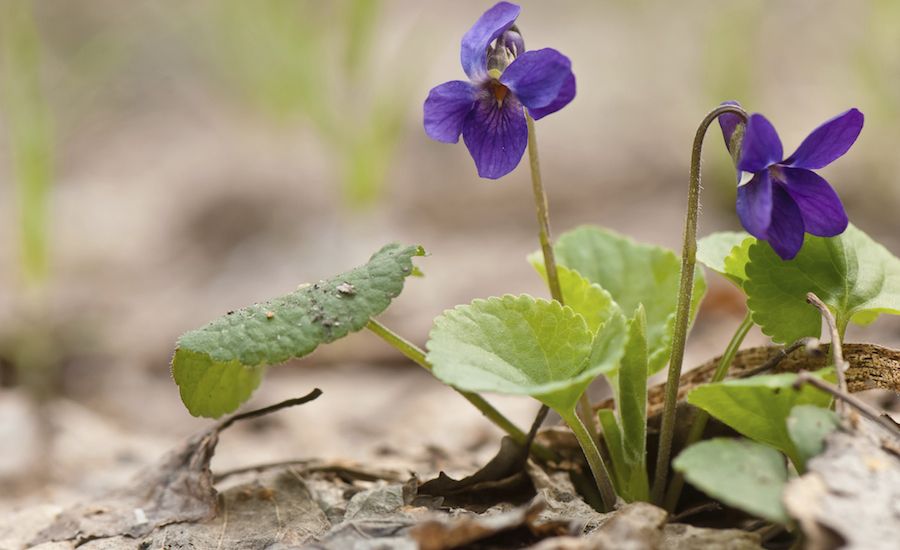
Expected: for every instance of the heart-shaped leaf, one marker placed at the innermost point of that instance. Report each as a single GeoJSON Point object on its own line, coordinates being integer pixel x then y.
{"type": "Point", "coordinates": [633, 274]}
{"type": "Point", "coordinates": [218, 366]}
{"type": "Point", "coordinates": [855, 276]}
{"type": "Point", "coordinates": [758, 407]}
{"type": "Point", "coordinates": [739, 473]}
{"type": "Point", "coordinates": [522, 345]}
{"type": "Point", "coordinates": [725, 253]}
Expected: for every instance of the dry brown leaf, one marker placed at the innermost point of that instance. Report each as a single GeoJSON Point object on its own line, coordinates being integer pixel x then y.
{"type": "Point", "coordinates": [850, 495]}
{"type": "Point", "coordinates": [179, 488]}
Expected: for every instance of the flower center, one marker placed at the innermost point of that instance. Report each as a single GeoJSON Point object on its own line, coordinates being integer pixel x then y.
{"type": "Point", "coordinates": [499, 91]}
{"type": "Point", "coordinates": [776, 173]}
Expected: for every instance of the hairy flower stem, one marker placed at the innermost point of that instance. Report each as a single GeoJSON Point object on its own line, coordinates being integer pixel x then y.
{"type": "Point", "coordinates": [595, 461]}
{"type": "Point", "coordinates": [683, 310]}
{"type": "Point", "coordinates": [677, 483]}
{"type": "Point", "coordinates": [543, 218]}
{"type": "Point", "coordinates": [417, 355]}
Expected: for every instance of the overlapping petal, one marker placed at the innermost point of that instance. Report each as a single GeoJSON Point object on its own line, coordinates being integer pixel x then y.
{"type": "Point", "coordinates": [496, 135]}
{"type": "Point", "coordinates": [761, 146]}
{"type": "Point", "coordinates": [564, 97]}
{"type": "Point", "coordinates": [536, 77]}
{"type": "Point", "coordinates": [821, 208]}
{"type": "Point", "coordinates": [729, 122]}
{"type": "Point", "coordinates": [754, 205]}
{"type": "Point", "coordinates": [785, 233]}
{"type": "Point", "coordinates": [828, 142]}
{"type": "Point", "coordinates": [475, 42]}
{"type": "Point", "coordinates": [446, 109]}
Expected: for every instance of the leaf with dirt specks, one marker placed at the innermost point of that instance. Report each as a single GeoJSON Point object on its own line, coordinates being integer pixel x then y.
{"type": "Point", "coordinates": [219, 366]}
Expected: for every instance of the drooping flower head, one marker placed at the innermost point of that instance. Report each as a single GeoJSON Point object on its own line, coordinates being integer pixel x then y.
{"type": "Point", "coordinates": [779, 199]}
{"type": "Point", "coordinates": [503, 78]}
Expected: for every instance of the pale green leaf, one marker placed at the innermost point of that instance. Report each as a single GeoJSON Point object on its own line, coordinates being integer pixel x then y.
{"type": "Point", "coordinates": [612, 436]}
{"type": "Point", "coordinates": [588, 299]}
{"type": "Point", "coordinates": [632, 273]}
{"type": "Point", "coordinates": [632, 405]}
{"type": "Point", "coordinates": [218, 366]}
{"type": "Point", "coordinates": [808, 426]}
{"type": "Point", "coordinates": [725, 252]}
{"type": "Point", "coordinates": [739, 473]}
{"type": "Point", "coordinates": [855, 276]}
{"type": "Point", "coordinates": [522, 345]}
{"type": "Point", "coordinates": [758, 407]}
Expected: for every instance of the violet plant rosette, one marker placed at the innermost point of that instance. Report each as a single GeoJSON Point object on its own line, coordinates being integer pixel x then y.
{"type": "Point", "coordinates": [779, 199]}
{"type": "Point", "coordinates": [504, 80]}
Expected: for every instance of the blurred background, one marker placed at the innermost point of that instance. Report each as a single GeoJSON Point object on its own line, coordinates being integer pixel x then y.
{"type": "Point", "coordinates": [164, 162]}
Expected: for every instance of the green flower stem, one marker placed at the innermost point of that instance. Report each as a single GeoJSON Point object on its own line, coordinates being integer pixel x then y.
{"type": "Point", "coordinates": [595, 461]}
{"type": "Point", "coordinates": [677, 483]}
{"type": "Point", "coordinates": [543, 218]}
{"type": "Point", "coordinates": [682, 316]}
{"type": "Point", "coordinates": [543, 213]}
{"type": "Point", "coordinates": [417, 355]}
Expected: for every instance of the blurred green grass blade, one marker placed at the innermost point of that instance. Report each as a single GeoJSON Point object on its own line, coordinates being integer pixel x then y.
{"type": "Point", "coordinates": [30, 126]}
{"type": "Point", "coordinates": [361, 16]}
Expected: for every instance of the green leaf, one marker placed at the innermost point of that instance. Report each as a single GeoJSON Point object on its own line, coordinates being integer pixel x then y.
{"type": "Point", "coordinates": [739, 473]}
{"type": "Point", "coordinates": [521, 345]}
{"type": "Point", "coordinates": [808, 426]}
{"type": "Point", "coordinates": [857, 277]}
{"type": "Point", "coordinates": [758, 407]}
{"type": "Point", "coordinates": [725, 252]}
{"type": "Point", "coordinates": [633, 274]}
{"type": "Point", "coordinates": [632, 405]}
{"type": "Point", "coordinates": [588, 299]}
{"type": "Point", "coordinates": [612, 436]}
{"type": "Point", "coordinates": [218, 366]}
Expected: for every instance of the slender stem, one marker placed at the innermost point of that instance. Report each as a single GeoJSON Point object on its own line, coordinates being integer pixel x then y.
{"type": "Point", "coordinates": [677, 483]}
{"type": "Point", "coordinates": [543, 213]}
{"type": "Point", "coordinates": [811, 345]}
{"type": "Point", "coordinates": [270, 409]}
{"type": "Point", "coordinates": [682, 318]}
{"type": "Point", "coordinates": [543, 218]}
{"type": "Point", "coordinates": [595, 461]}
{"type": "Point", "coordinates": [837, 352]}
{"type": "Point", "coordinates": [417, 355]}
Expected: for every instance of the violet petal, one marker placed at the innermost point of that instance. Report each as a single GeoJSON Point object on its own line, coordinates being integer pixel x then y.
{"type": "Point", "coordinates": [785, 233]}
{"type": "Point", "coordinates": [536, 77]}
{"type": "Point", "coordinates": [566, 94]}
{"type": "Point", "coordinates": [828, 142]}
{"type": "Point", "coordinates": [496, 135]}
{"type": "Point", "coordinates": [761, 147]}
{"type": "Point", "coordinates": [475, 42]}
{"type": "Point", "coordinates": [754, 205]}
{"type": "Point", "coordinates": [446, 108]}
{"type": "Point", "coordinates": [728, 122]}
{"type": "Point", "coordinates": [821, 208]}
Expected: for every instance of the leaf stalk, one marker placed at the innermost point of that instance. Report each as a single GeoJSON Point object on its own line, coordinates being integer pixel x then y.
{"type": "Point", "coordinates": [543, 218]}
{"type": "Point", "coordinates": [683, 309]}
{"type": "Point", "coordinates": [702, 418]}
{"type": "Point", "coordinates": [417, 355]}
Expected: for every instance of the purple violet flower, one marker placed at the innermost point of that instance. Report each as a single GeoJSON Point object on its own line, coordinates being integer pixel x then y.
{"type": "Point", "coordinates": [780, 200]}
{"type": "Point", "coordinates": [503, 78]}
